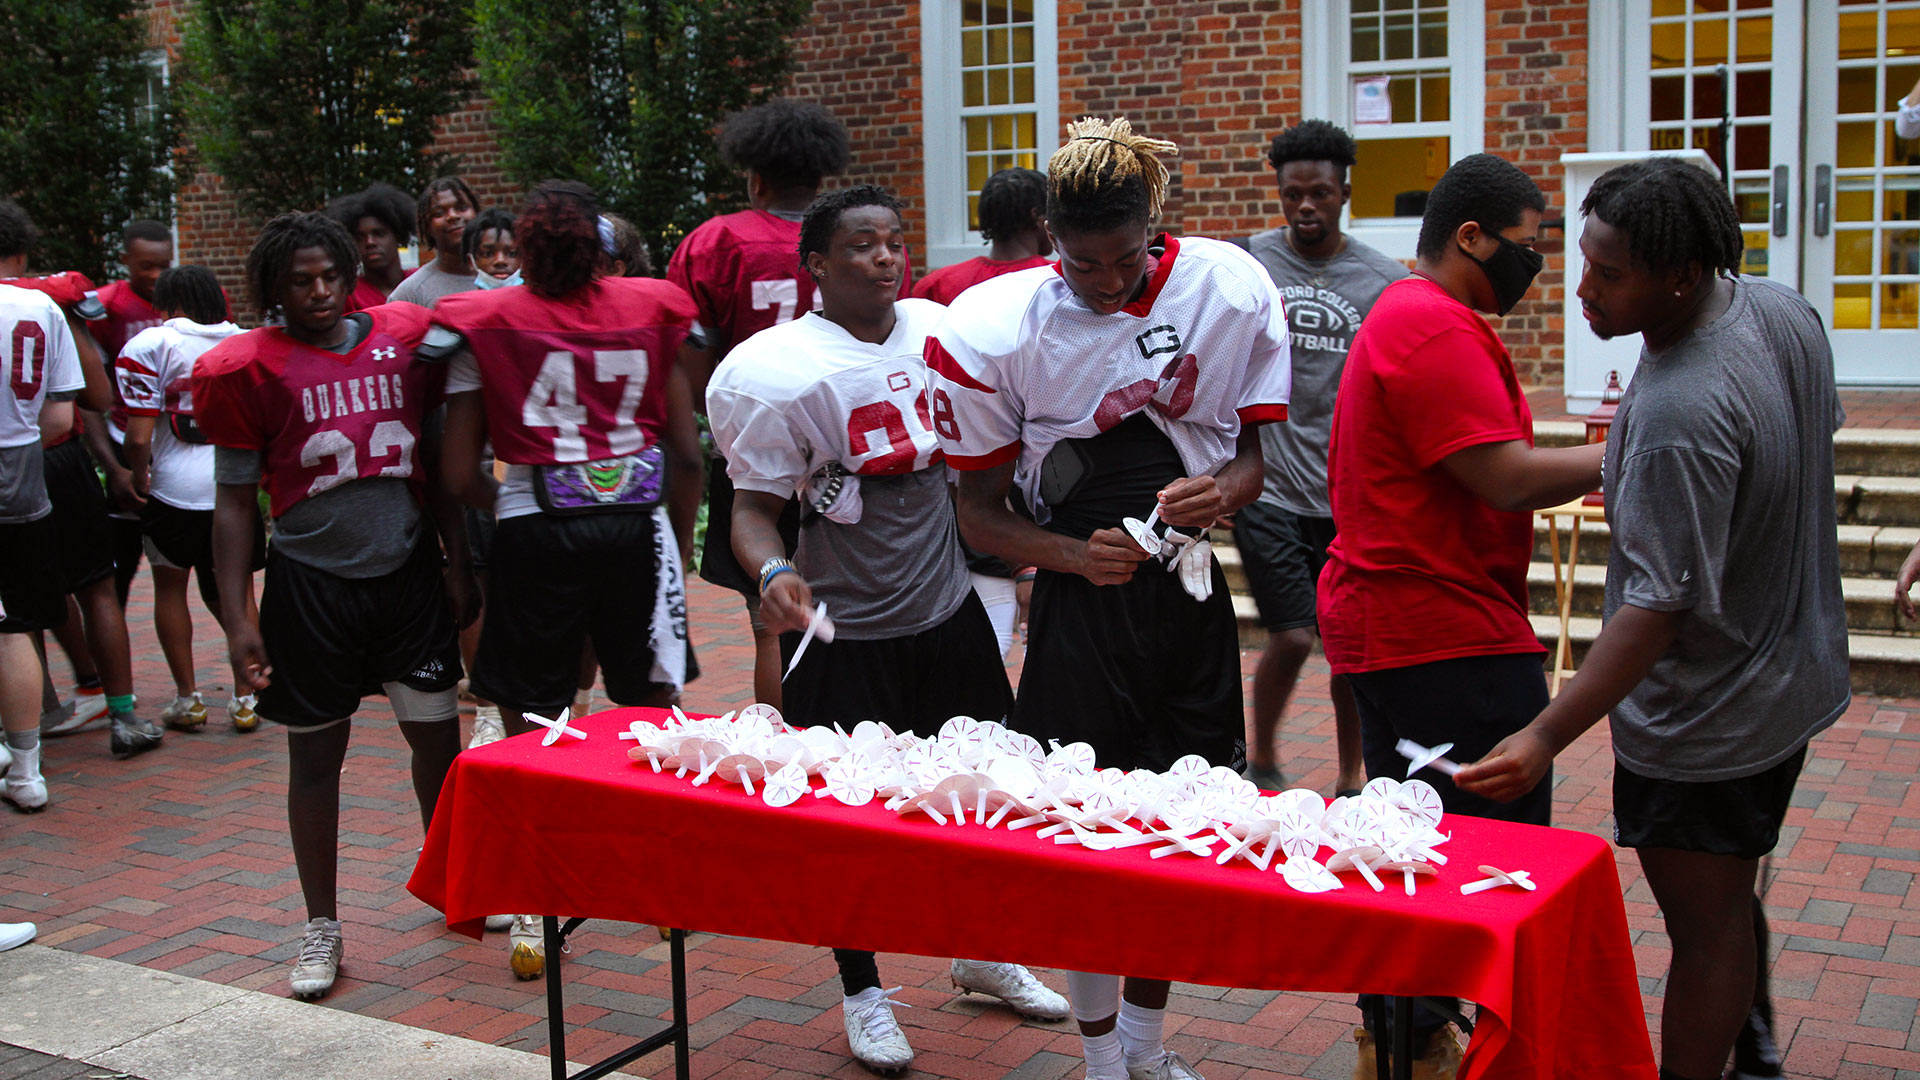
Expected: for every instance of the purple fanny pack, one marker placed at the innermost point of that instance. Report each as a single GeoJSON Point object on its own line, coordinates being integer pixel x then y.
{"type": "Point", "coordinates": [623, 483]}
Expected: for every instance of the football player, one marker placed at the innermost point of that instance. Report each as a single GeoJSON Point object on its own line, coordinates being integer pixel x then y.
{"type": "Point", "coordinates": [380, 220]}
{"type": "Point", "coordinates": [84, 546]}
{"type": "Point", "coordinates": [832, 407]}
{"type": "Point", "coordinates": [43, 377]}
{"type": "Point", "coordinates": [741, 272]}
{"type": "Point", "coordinates": [576, 378]}
{"type": "Point", "coordinates": [1013, 219]}
{"type": "Point", "coordinates": [1125, 381]}
{"type": "Point", "coordinates": [172, 466]}
{"type": "Point", "coordinates": [326, 413]}
{"type": "Point", "coordinates": [117, 312]}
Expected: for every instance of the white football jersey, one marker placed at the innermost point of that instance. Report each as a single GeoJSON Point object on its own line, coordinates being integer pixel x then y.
{"type": "Point", "coordinates": [40, 357]}
{"type": "Point", "coordinates": [1020, 363]}
{"type": "Point", "coordinates": [795, 397]}
{"type": "Point", "coordinates": [154, 373]}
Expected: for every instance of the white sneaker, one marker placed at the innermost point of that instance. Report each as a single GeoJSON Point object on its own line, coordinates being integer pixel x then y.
{"type": "Point", "coordinates": [1012, 984]}
{"type": "Point", "coordinates": [873, 1033]}
{"type": "Point", "coordinates": [240, 711]}
{"type": "Point", "coordinates": [1170, 1067]}
{"type": "Point", "coordinates": [75, 714]}
{"type": "Point", "coordinates": [15, 934]}
{"type": "Point", "coordinates": [497, 923]}
{"type": "Point", "coordinates": [528, 955]}
{"type": "Point", "coordinates": [186, 713]}
{"type": "Point", "coordinates": [319, 961]}
{"type": "Point", "coordinates": [487, 726]}
{"type": "Point", "coordinates": [25, 788]}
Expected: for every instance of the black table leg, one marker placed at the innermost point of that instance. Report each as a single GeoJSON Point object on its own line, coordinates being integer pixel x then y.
{"type": "Point", "coordinates": [674, 1034]}
{"type": "Point", "coordinates": [1382, 1039]}
{"type": "Point", "coordinates": [1403, 1038]}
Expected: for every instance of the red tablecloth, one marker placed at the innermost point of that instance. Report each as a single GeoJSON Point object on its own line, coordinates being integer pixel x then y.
{"type": "Point", "coordinates": [579, 829]}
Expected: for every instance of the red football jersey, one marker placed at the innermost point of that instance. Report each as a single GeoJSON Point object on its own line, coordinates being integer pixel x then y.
{"type": "Point", "coordinates": [127, 315]}
{"type": "Point", "coordinates": [743, 271]}
{"type": "Point", "coordinates": [67, 288]}
{"type": "Point", "coordinates": [575, 378]}
{"type": "Point", "coordinates": [321, 419]}
{"type": "Point", "coordinates": [944, 284]}
{"type": "Point", "coordinates": [365, 296]}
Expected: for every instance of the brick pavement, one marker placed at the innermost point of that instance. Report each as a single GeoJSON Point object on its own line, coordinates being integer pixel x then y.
{"type": "Point", "coordinates": [179, 861]}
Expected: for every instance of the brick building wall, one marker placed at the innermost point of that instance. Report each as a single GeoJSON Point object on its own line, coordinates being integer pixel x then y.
{"type": "Point", "coordinates": [1219, 78]}
{"type": "Point", "coordinates": [215, 233]}
{"type": "Point", "coordinates": [1216, 77]}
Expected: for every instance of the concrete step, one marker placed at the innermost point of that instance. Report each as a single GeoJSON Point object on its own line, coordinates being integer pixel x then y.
{"type": "Point", "coordinates": [1881, 664]}
{"type": "Point", "coordinates": [1869, 600]}
{"type": "Point", "coordinates": [1874, 551]}
{"type": "Point", "coordinates": [1856, 451]}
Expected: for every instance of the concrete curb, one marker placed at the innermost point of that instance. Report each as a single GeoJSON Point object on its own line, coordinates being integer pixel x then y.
{"type": "Point", "coordinates": [168, 1027]}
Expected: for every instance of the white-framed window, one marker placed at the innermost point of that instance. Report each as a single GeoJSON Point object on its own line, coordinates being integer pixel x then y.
{"type": "Point", "coordinates": [990, 78]}
{"type": "Point", "coordinates": [1407, 78]}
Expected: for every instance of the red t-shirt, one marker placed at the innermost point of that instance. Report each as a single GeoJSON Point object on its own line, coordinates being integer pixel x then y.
{"type": "Point", "coordinates": [743, 271]}
{"type": "Point", "coordinates": [128, 313]}
{"type": "Point", "coordinates": [319, 418]}
{"type": "Point", "coordinates": [1420, 568]}
{"type": "Point", "coordinates": [942, 285]}
{"type": "Point", "coordinates": [582, 377]}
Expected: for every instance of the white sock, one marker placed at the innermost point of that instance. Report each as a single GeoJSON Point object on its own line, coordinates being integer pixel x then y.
{"type": "Point", "coordinates": [1140, 1030]}
{"type": "Point", "coordinates": [1105, 1059]}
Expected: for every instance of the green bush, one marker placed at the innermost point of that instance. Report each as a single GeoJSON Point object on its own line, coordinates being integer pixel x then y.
{"type": "Point", "coordinates": [83, 147]}
{"type": "Point", "coordinates": [296, 101]}
{"type": "Point", "coordinates": [625, 95]}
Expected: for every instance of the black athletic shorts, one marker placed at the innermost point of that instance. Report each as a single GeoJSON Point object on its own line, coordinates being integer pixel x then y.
{"type": "Point", "coordinates": [1472, 702]}
{"type": "Point", "coordinates": [333, 640]}
{"type": "Point", "coordinates": [480, 528]}
{"type": "Point", "coordinates": [183, 539]}
{"type": "Point", "coordinates": [1739, 817]}
{"type": "Point", "coordinates": [1283, 553]}
{"type": "Point", "coordinates": [1142, 672]}
{"type": "Point", "coordinates": [913, 683]}
{"type": "Point", "coordinates": [553, 583]}
{"type": "Point", "coordinates": [80, 515]}
{"type": "Point", "coordinates": [33, 598]}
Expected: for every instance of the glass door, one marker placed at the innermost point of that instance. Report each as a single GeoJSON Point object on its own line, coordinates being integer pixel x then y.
{"type": "Point", "coordinates": [1863, 212]}
{"type": "Point", "coordinates": [1712, 83]}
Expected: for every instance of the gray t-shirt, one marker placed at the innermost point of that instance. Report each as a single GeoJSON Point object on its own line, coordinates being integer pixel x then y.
{"type": "Point", "coordinates": [23, 484]}
{"type": "Point", "coordinates": [899, 571]}
{"type": "Point", "coordinates": [1719, 477]}
{"type": "Point", "coordinates": [428, 284]}
{"type": "Point", "coordinates": [363, 529]}
{"type": "Point", "coordinates": [1325, 301]}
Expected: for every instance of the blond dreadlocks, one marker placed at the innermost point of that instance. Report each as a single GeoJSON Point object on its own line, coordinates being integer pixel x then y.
{"type": "Point", "coordinates": [1105, 177]}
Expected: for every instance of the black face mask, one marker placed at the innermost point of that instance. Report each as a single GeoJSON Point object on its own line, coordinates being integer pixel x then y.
{"type": "Point", "coordinates": [1510, 271]}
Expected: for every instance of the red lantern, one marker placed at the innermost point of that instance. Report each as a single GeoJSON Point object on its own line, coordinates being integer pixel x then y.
{"type": "Point", "coordinates": [1600, 420]}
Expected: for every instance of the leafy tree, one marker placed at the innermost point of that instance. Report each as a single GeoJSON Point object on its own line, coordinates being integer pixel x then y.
{"type": "Point", "coordinates": [625, 95]}
{"type": "Point", "coordinates": [296, 101]}
{"type": "Point", "coordinates": [82, 147]}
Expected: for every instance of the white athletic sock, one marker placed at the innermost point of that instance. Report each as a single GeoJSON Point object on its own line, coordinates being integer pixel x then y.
{"type": "Point", "coordinates": [1105, 1059]}
{"type": "Point", "coordinates": [1140, 1030]}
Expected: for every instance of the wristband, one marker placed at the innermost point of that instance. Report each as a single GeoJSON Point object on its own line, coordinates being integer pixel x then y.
{"type": "Point", "coordinates": [1025, 574]}
{"type": "Point", "coordinates": [773, 568]}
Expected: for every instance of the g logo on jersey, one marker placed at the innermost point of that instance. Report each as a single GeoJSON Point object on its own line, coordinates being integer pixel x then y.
{"type": "Point", "coordinates": [1158, 340]}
